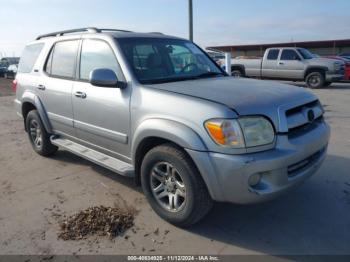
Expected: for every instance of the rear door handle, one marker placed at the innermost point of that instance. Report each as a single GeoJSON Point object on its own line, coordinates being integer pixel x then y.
{"type": "Point", "coordinates": [281, 63]}
{"type": "Point", "coordinates": [41, 87]}
{"type": "Point", "coordinates": [80, 94]}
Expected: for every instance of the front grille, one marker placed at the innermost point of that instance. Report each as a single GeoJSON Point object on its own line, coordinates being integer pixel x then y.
{"type": "Point", "coordinates": [340, 69]}
{"type": "Point", "coordinates": [295, 169]}
{"type": "Point", "coordinates": [297, 109]}
{"type": "Point", "coordinates": [306, 128]}
{"type": "Point", "coordinates": [303, 117]}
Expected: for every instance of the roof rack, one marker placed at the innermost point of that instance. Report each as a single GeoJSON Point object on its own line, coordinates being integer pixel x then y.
{"type": "Point", "coordinates": [78, 30]}
{"type": "Point", "coordinates": [113, 30]}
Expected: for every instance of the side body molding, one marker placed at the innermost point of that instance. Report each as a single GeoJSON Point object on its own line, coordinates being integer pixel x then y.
{"type": "Point", "coordinates": [171, 130]}
{"type": "Point", "coordinates": [35, 100]}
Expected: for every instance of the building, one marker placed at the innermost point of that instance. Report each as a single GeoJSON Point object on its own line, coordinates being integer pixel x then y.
{"type": "Point", "coordinates": [322, 48]}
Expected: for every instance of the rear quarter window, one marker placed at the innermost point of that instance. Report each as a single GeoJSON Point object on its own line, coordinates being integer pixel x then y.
{"type": "Point", "coordinates": [29, 57]}
{"type": "Point", "coordinates": [273, 54]}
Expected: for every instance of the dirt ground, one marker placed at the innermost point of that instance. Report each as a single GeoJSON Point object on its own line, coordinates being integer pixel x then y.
{"type": "Point", "coordinates": [5, 87]}
{"type": "Point", "coordinates": [36, 191]}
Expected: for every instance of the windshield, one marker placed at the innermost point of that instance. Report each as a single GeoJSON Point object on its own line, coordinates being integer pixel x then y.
{"type": "Point", "coordinates": [306, 54]}
{"type": "Point", "coordinates": [161, 60]}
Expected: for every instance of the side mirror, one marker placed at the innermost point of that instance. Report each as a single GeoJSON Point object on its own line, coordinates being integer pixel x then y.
{"type": "Point", "coordinates": [105, 77]}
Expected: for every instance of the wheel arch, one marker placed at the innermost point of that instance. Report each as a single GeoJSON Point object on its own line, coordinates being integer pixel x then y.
{"type": "Point", "coordinates": [154, 132]}
{"type": "Point", "coordinates": [312, 69]}
{"type": "Point", "coordinates": [31, 102]}
{"type": "Point", "coordinates": [238, 67]}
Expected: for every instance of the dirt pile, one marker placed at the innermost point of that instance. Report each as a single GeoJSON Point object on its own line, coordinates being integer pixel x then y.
{"type": "Point", "coordinates": [102, 221]}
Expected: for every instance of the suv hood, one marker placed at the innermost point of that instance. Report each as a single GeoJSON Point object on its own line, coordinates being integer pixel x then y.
{"type": "Point", "coordinates": [245, 96]}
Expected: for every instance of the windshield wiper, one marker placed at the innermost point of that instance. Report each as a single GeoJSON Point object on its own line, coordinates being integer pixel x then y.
{"type": "Point", "coordinates": [165, 80]}
{"type": "Point", "coordinates": [209, 74]}
{"type": "Point", "coordinates": [177, 79]}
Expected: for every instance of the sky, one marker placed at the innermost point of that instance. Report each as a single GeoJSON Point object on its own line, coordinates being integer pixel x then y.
{"type": "Point", "coordinates": [220, 22]}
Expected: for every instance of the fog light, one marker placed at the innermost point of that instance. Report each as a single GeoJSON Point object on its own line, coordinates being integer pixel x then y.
{"type": "Point", "coordinates": [254, 179]}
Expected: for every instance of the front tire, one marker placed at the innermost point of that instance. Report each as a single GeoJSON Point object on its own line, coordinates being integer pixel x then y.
{"type": "Point", "coordinates": [173, 186]}
{"type": "Point", "coordinates": [38, 137]}
{"type": "Point", "coordinates": [315, 80]}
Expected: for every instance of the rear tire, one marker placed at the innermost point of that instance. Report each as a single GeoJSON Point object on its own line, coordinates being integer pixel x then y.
{"type": "Point", "coordinates": [236, 73]}
{"type": "Point", "coordinates": [167, 171]}
{"type": "Point", "coordinates": [38, 137]}
{"type": "Point", "coordinates": [315, 80]}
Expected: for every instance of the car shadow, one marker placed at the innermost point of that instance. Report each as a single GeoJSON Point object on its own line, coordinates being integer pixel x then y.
{"type": "Point", "coordinates": [312, 219]}
{"type": "Point", "coordinates": [68, 157]}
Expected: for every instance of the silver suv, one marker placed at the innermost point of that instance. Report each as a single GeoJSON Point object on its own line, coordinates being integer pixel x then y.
{"type": "Point", "coordinates": [158, 109]}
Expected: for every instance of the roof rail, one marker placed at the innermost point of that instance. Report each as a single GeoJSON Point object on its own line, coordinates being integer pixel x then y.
{"type": "Point", "coordinates": [60, 33]}
{"type": "Point", "coordinates": [78, 30]}
{"type": "Point", "coordinates": [113, 30]}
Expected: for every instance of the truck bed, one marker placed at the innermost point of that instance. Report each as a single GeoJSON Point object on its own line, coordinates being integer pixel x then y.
{"type": "Point", "coordinates": [252, 65]}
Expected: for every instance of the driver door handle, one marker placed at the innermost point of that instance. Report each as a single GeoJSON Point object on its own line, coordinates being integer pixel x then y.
{"type": "Point", "coordinates": [41, 87]}
{"type": "Point", "coordinates": [80, 94]}
{"type": "Point", "coordinates": [281, 63]}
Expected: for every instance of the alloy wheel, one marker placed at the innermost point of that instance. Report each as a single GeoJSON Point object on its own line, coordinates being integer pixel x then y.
{"type": "Point", "coordinates": [314, 81]}
{"type": "Point", "coordinates": [168, 187]}
{"type": "Point", "coordinates": [35, 133]}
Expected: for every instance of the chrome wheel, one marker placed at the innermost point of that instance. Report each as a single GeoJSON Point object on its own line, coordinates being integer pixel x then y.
{"type": "Point", "coordinates": [168, 187]}
{"type": "Point", "coordinates": [35, 133]}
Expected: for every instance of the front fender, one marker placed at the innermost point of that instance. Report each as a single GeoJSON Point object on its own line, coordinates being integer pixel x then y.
{"type": "Point", "coordinates": [29, 97]}
{"type": "Point", "coordinates": [185, 137]}
{"type": "Point", "coordinates": [310, 68]}
{"type": "Point", "coordinates": [170, 130]}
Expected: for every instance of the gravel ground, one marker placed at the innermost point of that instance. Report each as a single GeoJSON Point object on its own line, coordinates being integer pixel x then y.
{"type": "Point", "coordinates": [35, 192]}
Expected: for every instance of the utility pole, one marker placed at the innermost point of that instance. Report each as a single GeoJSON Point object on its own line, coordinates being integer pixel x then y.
{"type": "Point", "coordinates": [190, 18]}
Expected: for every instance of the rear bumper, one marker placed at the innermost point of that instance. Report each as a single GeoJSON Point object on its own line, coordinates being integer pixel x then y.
{"type": "Point", "coordinates": [291, 162]}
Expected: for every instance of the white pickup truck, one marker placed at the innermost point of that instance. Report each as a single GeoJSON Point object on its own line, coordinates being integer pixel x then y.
{"type": "Point", "coordinates": [290, 63]}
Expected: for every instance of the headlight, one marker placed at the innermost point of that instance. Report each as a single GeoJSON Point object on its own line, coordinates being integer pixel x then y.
{"type": "Point", "coordinates": [257, 131]}
{"type": "Point", "coordinates": [225, 132]}
{"type": "Point", "coordinates": [242, 132]}
{"type": "Point", "coordinates": [337, 66]}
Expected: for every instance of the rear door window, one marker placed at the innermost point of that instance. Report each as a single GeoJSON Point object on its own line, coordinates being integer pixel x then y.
{"type": "Point", "coordinates": [29, 57]}
{"type": "Point", "coordinates": [62, 59]}
{"type": "Point", "coordinates": [273, 54]}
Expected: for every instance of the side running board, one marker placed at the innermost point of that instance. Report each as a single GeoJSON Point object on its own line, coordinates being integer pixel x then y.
{"type": "Point", "coordinates": [113, 164]}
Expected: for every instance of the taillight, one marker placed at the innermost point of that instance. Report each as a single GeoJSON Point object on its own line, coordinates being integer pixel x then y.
{"type": "Point", "coordinates": [14, 85]}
